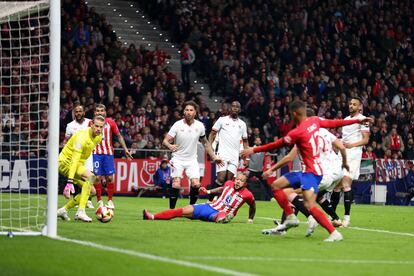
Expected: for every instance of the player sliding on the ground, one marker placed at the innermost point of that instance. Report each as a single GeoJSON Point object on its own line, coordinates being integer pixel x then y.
{"type": "Point", "coordinates": [72, 165]}
{"type": "Point", "coordinates": [222, 210]}
{"type": "Point", "coordinates": [305, 137]}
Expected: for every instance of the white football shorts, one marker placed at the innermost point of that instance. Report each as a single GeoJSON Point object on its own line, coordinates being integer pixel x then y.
{"type": "Point", "coordinates": [190, 168]}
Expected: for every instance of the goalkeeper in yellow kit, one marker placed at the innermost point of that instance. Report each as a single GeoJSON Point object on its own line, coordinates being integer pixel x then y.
{"type": "Point", "coordinates": [72, 165]}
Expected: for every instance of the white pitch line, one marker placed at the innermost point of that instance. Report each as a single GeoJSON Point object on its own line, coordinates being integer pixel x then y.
{"type": "Point", "coordinates": [382, 231]}
{"type": "Point", "coordinates": [362, 229]}
{"type": "Point", "coordinates": [303, 260]}
{"type": "Point", "coordinates": [156, 258]}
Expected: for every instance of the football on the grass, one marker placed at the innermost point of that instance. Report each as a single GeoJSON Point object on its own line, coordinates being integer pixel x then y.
{"type": "Point", "coordinates": [104, 214]}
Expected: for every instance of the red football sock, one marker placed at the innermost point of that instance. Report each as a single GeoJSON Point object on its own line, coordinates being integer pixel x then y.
{"type": "Point", "coordinates": [169, 214]}
{"type": "Point", "coordinates": [98, 188]}
{"type": "Point", "coordinates": [322, 219]}
{"type": "Point", "coordinates": [283, 201]}
{"type": "Point", "coordinates": [110, 189]}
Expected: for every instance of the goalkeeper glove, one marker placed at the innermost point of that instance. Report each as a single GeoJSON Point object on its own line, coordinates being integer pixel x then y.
{"type": "Point", "coordinates": [69, 188]}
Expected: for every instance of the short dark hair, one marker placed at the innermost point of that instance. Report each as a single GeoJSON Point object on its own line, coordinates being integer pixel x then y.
{"type": "Point", "coordinates": [296, 105]}
{"type": "Point", "coordinates": [358, 98]}
{"type": "Point", "coordinates": [193, 104]}
{"type": "Point", "coordinates": [164, 162]}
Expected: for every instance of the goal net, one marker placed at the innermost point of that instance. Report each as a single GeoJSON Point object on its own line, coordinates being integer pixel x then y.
{"type": "Point", "coordinates": [24, 71]}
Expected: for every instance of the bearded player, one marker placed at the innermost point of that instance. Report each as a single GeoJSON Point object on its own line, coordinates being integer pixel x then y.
{"type": "Point", "coordinates": [354, 138]}
{"type": "Point", "coordinates": [222, 210]}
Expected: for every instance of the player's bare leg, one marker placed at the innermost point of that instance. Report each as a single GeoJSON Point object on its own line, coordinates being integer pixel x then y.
{"type": "Point", "coordinates": [175, 191]}
{"type": "Point", "coordinates": [195, 186]}
{"type": "Point", "coordinates": [186, 211]}
{"type": "Point", "coordinates": [309, 200]}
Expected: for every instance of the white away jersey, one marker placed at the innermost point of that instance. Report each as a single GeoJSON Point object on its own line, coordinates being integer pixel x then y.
{"type": "Point", "coordinates": [186, 137]}
{"type": "Point", "coordinates": [352, 134]}
{"type": "Point", "coordinates": [329, 159]}
{"type": "Point", "coordinates": [230, 133]}
{"type": "Point", "coordinates": [74, 126]}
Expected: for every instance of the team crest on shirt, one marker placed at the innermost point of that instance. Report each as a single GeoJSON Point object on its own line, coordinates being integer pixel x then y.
{"type": "Point", "coordinates": [227, 200]}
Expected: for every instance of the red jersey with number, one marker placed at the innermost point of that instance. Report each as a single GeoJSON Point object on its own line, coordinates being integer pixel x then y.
{"type": "Point", "coordinates": [305, 137]}
{"type": "Point", "coordinates": [231, 200]}
{"type": "Point", "coordinates": [105, 146]}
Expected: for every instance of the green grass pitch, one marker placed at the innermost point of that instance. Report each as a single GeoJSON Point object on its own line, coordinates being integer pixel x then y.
{"type": "Point", "coordinates": [129, 245]}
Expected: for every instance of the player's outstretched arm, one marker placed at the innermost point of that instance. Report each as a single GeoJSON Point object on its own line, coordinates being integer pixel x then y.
{"type": "Point", "coordinates": [252, 212]}
{"type": "Point", "coordinates": [267, 147]}
{"type": "Point", "coordinates": [284, 161]}
{"type": "Point", "coordinates": [218, 190]}
{"type": "Point", "coordinates": [122, 142]}
{"type": "Point", "coordinates": [338, 144]}
{"type": "Point", "coordinates": [339, 122]}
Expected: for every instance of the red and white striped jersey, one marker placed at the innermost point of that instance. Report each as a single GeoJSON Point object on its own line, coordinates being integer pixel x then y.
{"type": "Point", "coordinates": [105, 146]}
{"type": "Point", "coordinates": [231, 200]}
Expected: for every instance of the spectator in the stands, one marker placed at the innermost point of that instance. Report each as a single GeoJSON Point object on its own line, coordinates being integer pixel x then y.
{"type": "Point", "coordinates": [162, 177]}
{"type": "Point", "coordinates": [187, 59]}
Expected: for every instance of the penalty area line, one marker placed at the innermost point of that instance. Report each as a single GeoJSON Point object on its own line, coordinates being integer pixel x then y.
{"type": "Point", "coordinates": [155, 257]}
{"type": "Point", "coordinates": [302, 260]}
{"type": "Point", "coordinates": [363, 229]}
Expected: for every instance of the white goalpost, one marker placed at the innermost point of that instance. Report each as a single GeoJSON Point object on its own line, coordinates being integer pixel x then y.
{"type": "Point", "coordinates": [29, 116]}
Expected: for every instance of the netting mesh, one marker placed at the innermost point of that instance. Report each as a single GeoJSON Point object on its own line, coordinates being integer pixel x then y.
{"type": "Point", "coordinates": [24, 62]}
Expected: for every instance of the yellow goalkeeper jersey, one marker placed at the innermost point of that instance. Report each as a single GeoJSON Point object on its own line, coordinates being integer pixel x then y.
{"type": "Point", "coordinates": [78, 149]}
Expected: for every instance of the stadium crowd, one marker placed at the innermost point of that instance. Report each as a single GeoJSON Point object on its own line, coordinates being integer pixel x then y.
{"type": "Point", "coordinates": [266, 53]}
{"type": "Point", "coordinates": [263, 53]}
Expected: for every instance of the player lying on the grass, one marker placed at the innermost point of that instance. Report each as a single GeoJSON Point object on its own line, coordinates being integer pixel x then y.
{"type": "Point", "coordinates": [305, 137]}
{"type": "Point", "coordinates": [332, 173]}
{"type": "Point", "coordinates": [72, 165]}
{"type": "Point", "coordinates": [233, 195]}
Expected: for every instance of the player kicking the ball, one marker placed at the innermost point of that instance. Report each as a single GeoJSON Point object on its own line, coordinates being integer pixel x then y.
{"type": "Point", "coordinates": [332, 167]}
{"type": "Point", "coordinates": [182, 141]}
{"type": "Point", "coordinates": [72, 165]}
{"type": "Point", "coordinates": [222, 210]}
{"type": "Point", "coordinates": [305, 136]}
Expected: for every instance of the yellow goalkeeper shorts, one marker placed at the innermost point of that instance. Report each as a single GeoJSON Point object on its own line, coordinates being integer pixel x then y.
{"type": "Point", "coordinates": [64, 170]}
